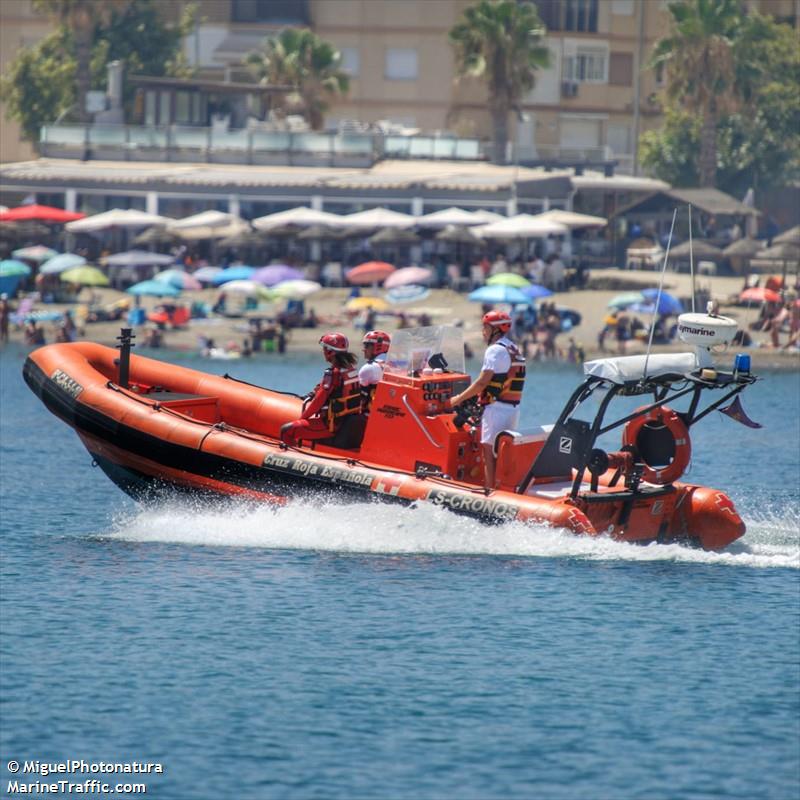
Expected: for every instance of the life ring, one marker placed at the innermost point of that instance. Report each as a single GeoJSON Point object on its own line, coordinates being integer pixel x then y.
{"type": "Point", "coordinates": [653, 424]}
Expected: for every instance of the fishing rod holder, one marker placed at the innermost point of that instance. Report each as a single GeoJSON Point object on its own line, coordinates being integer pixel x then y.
{"type": "Point", "coordinates": [125, 339]}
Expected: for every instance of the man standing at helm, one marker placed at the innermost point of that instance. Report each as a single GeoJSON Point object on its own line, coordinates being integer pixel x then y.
{"type": "Point", "coordinates": [376, 346]}
{"type": "Point", "coordinates": [498, 387]}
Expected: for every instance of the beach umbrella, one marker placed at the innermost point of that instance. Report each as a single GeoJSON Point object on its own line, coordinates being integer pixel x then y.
{"type": "Point", "coordinates": [450, 217]}
{"type": "Point", "coordinates": [84, 275]}
{"type": "Point", "coordinates": [743, 247]}
{"type": "Point", "coordinates": [369, 272]}
{"type": "Point", "coordinates": [522, 226]}
{"type": "Point", "coordinates": [301, 217]}
{"type": "Point", "coordinates": [179, 279]}
{"type": "Point", "coordinates": [244, 238]}
{"type": "Point", "coordinates": [277, 273]}
{"type": "Point", "coordinates": [205, 219]}
{"type": "Point", "coordinates": [158, 237]}
{"type": "Point", "coordinates": [394, 236]}
{"type": "Point", "coordinates": [459, 235]}
{"type": "Point", "coordinates": [792, 236]}
{"type": "Point", "coordinates": [40, 214]}
{"type": "Point", "coordinates": [154, 289]}
{"type": "Point", "coordinates": [407, 294]}
{"type": "Point", "coordinates": [699, 248]}
{"type": "Point", "coordinates": [759, 294]}
{"type": "Point", "coordinates": [626, 299]}
{"type": "Point", "coordinates": [235, 273]}
{"type": "Point", "coordinates": [138, 258]}
{"type": "Point", "coordinates": [378, 218]}
{"type": "Point", "coordinates": [360, 303]}
{"type": "Point", "coordinates": [572, 219]}
{"type": "Point", "coordinates": [667, 304]}
{"type": "Point", "coordinates": [407, 276]}
{"type": "Point", "coordinates": [37, 253]}
{"type": "Point", "coordinates": [784, 251]}
{"type": "Point", "coordinates": [499, 294]}
{"type": "Point", "coordinates": [508, 279]}
{"type": "Point", "coordinates": [24, 230]}
{"type": "Point", "coordinates": [249, 288]}
{"type": "Point", "coordinates": [116, 218]}
{"type": "Point", "coordinates": [201, 232]}
{"type": "Point", "coordinates": [206, 274]}
{"type": "Point", "coordinates": [317, 232]}
{"type": "Point", "coordinates": [534, 291]}
{"type": "Point", "coordinates": [10, 268]}
{"type": "Point", "coordinates": [295, 290]}
{"type": "Point", "coordinates": [61, 262]}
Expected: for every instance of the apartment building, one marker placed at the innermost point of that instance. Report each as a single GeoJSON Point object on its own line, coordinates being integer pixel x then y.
{"type": "Point", "coordinates": [591, 104]}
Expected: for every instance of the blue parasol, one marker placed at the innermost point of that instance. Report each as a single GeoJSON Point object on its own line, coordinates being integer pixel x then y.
{"type": "Point", "coordinates": [499, 294]}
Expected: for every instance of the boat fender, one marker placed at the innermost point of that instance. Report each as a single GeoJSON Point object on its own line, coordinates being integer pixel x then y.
{"type": "Point", "coordinates": [658, 419]}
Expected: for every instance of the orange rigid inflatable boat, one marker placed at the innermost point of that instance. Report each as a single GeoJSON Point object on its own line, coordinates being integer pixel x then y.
{"type": "Point", "coordinates": [155, 427]}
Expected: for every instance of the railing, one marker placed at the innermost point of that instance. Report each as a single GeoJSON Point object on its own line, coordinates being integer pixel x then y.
{"type": "Point", "coordinates": [131, 142]}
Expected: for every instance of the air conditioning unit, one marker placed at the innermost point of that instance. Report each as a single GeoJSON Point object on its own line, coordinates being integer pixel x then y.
{"type": "Point", "coordinates": [569, 88]}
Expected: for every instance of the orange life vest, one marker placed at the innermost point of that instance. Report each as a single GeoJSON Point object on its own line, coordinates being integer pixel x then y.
{"type": "Point", "coordinates": [345, 398]}
{"type": "Point", "coordinates": [507, 386]}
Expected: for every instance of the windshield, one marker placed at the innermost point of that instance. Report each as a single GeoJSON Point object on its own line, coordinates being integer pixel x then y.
{"type": "Point", "coordinates": [412, 348]}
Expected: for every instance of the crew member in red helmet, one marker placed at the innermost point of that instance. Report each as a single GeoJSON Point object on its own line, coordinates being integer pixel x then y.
{"type": "Point", "coordinates": [498, 387]}
{"type": "Point", "coordinates": [334, 398]}
{"type": "Point", "coordinates": [376, 346]}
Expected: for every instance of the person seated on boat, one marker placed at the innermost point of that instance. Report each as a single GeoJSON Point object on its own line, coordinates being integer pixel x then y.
{"type": "Point", "coordinates": [376, 346]}
{"type": "Point", "coordinates": [498, 387]}
{"type": "Point", "coordinates": [334, 398]}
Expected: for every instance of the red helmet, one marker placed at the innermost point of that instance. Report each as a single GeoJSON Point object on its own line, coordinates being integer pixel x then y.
{"type": "Point", "coordinates": [498, 319]}
{"type": "Point", "coordinates": [336, 342]}
{"type": "Point", "coordinates": [380, 340]}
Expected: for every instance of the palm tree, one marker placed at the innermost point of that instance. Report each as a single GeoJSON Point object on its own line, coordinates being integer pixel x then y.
{"type": "Point", "coordinates": [80, 17]}
{"type": "Point", "coordinates": [699, 55]}
{"type": "Point", "coordinates": [499, 41]}
{"type": "Point", "coordinates": [298, 57]}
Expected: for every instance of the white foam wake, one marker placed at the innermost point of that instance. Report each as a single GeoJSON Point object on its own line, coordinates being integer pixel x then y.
{"type": "Point", "coordinates": [426, 529]}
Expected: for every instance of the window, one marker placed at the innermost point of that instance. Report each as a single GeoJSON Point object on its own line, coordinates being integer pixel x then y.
{"type": "Point", "coordinates": [620, 69]}
{"type": "Point", "coordinates": [587, 66]}
{"type": "Point", "coordinates": [351, 60]}
{"type": "Point", "coordinates": [619, 139]}
{"type": "Point", "coordinates": [150, 107]}
{"type": "Point", "coordinates": [568, 15]}
{"type": "Point", "coordinates": [274, 11]}
{"type": "Point", "coordinates": [622, 8]}
{"type": "Point", "coordinates": [164, 108]}
{"type": "Point", "coordinates": [401, 64]}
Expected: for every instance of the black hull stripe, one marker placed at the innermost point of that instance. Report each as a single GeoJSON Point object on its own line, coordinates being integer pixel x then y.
{"type": "Point", "coordinates": [84, 418]}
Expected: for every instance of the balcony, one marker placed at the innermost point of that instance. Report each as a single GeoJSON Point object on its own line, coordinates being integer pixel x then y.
{"type": "Point", "coordinates": [246, 146]}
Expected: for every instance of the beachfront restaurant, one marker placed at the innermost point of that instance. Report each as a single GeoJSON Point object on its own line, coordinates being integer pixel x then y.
{"type": "Point", "coordinates": [411, 186]}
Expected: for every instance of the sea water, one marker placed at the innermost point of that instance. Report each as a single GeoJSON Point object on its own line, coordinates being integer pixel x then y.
{"type": "Point", "coordinates": [371, 651]}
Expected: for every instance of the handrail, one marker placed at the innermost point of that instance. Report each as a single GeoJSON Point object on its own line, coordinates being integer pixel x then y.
{"type": "Point", "coordinates": [419, 422]}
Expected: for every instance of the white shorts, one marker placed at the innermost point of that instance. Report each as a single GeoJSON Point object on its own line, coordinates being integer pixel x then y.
{"type": "Point", "coordinates": [498, 417]}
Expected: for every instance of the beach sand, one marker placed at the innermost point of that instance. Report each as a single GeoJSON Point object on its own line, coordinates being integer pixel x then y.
{"type": "Point", "coordinates": [444, 306]}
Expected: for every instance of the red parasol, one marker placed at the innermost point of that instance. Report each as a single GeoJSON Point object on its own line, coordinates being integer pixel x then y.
{"type": "Point", "coordinates": [369, 272]}
{"type": "Point", "coordinates": [760, 294]}
{"type": "Point", "coordinates": [40, 213]}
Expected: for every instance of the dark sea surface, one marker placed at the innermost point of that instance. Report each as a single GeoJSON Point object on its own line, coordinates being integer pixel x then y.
{"type": "Point", "coordinates": [372, 651]}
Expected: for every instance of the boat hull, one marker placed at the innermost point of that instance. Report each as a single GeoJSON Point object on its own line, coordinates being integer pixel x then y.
{"type": "Point", "coordinates": [189, 437]}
